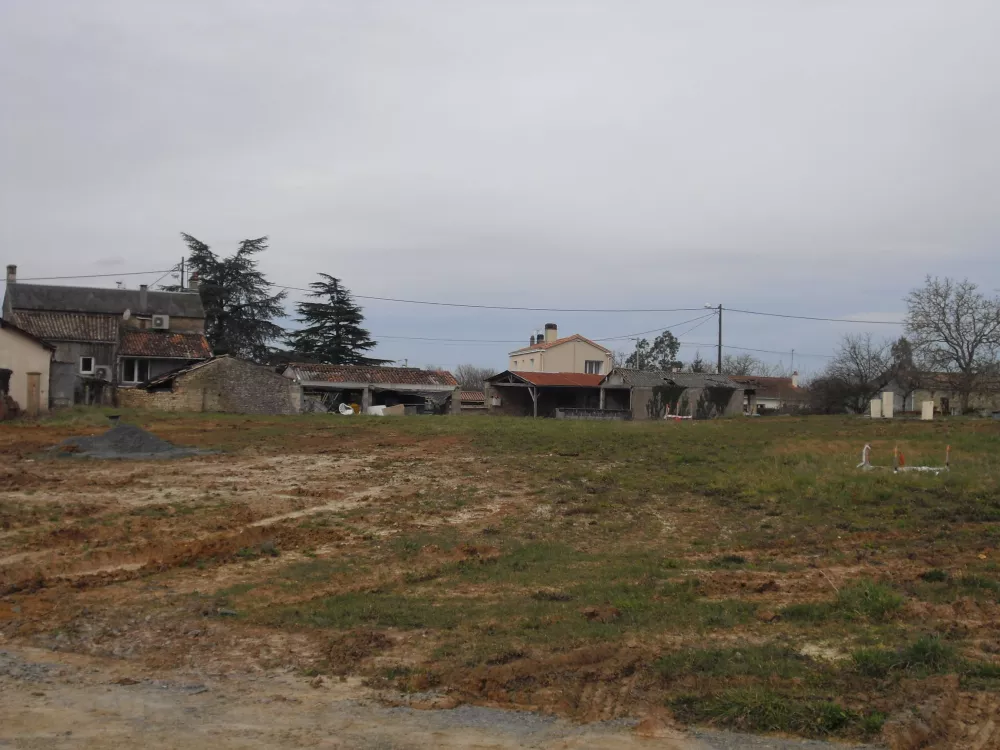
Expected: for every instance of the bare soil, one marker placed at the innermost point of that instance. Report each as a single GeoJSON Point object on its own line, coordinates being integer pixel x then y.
{"type": "Point", "coordinates": [127, 587]}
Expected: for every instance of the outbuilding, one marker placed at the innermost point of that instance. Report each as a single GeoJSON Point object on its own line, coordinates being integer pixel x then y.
{"type": "Point", "coordinates": [220, 384]}
{"type": "Point", "coordinates": [653, 394]}
{"type": "Point", "coordinates": [25, 360]}
{"type": "Point", "coordinates": [326, 387]}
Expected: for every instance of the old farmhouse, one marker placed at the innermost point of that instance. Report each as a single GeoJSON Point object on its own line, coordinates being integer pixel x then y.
{"type": "Point", "coordinates": [107, 337]}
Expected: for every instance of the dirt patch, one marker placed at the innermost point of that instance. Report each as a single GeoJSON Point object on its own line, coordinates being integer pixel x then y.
{"type": "Point", "coordinates": [122, 441]}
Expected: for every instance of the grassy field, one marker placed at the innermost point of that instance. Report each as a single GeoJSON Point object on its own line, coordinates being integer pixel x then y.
{"type": "Point", "coordinates": [740, 573]}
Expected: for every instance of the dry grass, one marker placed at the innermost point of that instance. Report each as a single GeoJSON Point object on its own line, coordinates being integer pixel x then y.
{"type": "Point", "coordinates": [741, 572]}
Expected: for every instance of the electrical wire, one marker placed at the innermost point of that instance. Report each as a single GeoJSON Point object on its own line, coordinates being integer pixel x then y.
{"type": "Point", "coordinates": [788, 316]}
{"type": "Point", "coordinates": [98, 275]}
{"type": "Point", "coordinates": [811, 317]}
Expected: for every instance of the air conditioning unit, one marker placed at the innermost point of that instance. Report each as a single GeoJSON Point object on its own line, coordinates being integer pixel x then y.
{"type": "Point", "coordinates": [102, 373]}
{"type": "Point", "coordinates": [161, 322]}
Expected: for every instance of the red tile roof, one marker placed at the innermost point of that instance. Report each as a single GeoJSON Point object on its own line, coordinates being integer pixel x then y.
{"type": "Point", "coordinates": [473, 396]}
{"type": "Point", "coordinates": [577, 379]}
{"type": "Point", "coordinates": [165, 345]}
{"type": "Point", "coordinates": [379, 375]}
{"type": "Point", "coordinates": [549, 344]}
{"type": "Point", "coordinates": [68, 326]}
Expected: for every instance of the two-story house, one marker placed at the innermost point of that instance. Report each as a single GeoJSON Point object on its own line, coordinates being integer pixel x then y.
{"type": "Point", "coordinates": [549, 353]}
{"type": "Point", "coordinates": [107, 336]}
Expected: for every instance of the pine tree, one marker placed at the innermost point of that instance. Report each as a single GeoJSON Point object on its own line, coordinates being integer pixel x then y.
{"type": "Point", "coordinates": [239, 305]}
{"type": "Point", "coordinates": [331, 329]}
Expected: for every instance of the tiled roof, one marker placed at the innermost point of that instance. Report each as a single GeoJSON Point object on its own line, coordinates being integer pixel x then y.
{"type": "Point", "coordinates": [375, 375]}
{"type": "Point", "coordinates": [11, 327]}
{"type": "Point", "coordinates": [772, 387]}
{"type": "Point", "coordinates": [472, 396]}
{"type": "Point", "coordinates": [68, 326]}
{"type": "Point", "coordinates": [165, 344]}
{"type": "Point", "coordinates": [577, 379]}
{"type": "Point", "coordinates": [549, 344]}
{"type": "Point", "coordinates": [102, 301]}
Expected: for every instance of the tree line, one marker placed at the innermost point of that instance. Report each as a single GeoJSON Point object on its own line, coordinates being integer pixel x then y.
{"type": "Point", "coordinates": [241, 308]}
{"type": "Point", "coordinates": [951, 342]}
{"type": "Point", "coordinates": [952, 335]}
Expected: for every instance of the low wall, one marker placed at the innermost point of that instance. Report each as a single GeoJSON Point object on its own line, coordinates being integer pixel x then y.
{"type": "Point", "coordinates": [605, 414]}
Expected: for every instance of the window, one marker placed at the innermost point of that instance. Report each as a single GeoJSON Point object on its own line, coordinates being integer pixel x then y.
{"type": "Point", "coordinates": [593, 366]}
{"type": "Point", "coordinates": [532, 363]}
{"type": "Point", "coordinates": [143, 323]}
{"type": "Point", "coordinates": [135, 370]}
{"type": "Point", "coordinates": [86, 365]}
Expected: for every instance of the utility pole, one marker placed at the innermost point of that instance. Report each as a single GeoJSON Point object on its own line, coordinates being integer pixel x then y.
{"type": "Point", "coordinates": [638, 355]}
{"type": "Point", "coordinates": [182, 274]}
{"type": "Point", "coordinates": [792, 367]}
{"type": "Point", "coordinates": [718, 366]}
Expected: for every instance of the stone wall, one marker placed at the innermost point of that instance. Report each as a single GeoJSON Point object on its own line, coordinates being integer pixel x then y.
{"type": "Point", "coordinates": [224, 385]}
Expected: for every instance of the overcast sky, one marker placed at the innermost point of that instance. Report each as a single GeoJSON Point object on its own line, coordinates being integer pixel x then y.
{"type": "Point", "coordinates": [796, 156]}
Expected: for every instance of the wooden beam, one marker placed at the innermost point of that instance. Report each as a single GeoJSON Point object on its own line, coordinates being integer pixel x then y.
{"type": "Point", "coordinates": [534, 400]}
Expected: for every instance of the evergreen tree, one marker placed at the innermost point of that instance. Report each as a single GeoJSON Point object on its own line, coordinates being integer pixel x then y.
{"type": "Point", "coordinates": [239, 305]}
{"type": "Point", "coordinates": [661, 355]}
{"type": "Point", "coordinates": [331, 329]}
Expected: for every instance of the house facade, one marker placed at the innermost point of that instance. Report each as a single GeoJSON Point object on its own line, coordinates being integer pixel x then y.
{"type": "Point", "coordinates": [774, 393]}
{"type": "Point", "coordinates": [549, 353]}
{"type": "Point", "coordinates": [940, 388]}
{"type": "Point", "coordinates": [107, 337]}
{"type": "Point", "coordinates": [25, 361]}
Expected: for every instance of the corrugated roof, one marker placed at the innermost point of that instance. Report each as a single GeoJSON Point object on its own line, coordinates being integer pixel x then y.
{"type": "Point", "coordinates": [102, 301]}
{"type": "Point", "coordinates": [548, 345]}
{"type": "Point", "coordinates": [650, 378]}
{"type": "Point", "coordinates": [377, 375]}
{"type": "Point", "coordinates": [165, 345]}
{"type": "Point", "coordinates": [570, 379]}
{"type": "Point", "coordinates": [183, 370]}
{"type": "Point", "coordinates": [641, 378]}
{"type": "Point", "coordinates": [702, 380]}
{"type": "Point", "coordinates": [68, 326]}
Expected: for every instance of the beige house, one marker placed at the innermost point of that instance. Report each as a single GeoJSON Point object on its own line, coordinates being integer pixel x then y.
{"type": "Point", "coordinates": [27, 358]}
{"type": "Point", "coordinates": [549, 353]}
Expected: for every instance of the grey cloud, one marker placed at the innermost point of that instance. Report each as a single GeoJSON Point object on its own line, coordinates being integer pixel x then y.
{"type": "Point", "coordinates": [804, 157]}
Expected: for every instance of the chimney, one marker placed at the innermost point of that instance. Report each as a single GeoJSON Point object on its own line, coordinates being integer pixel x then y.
{"type": "Point", "coordinates": [194, 283]}
{"type": "Point", "coordinates": [11, 274]}
{"type": "Point", "coordinates": [551, 332]}
{"type": "Point", "coordinates": [143, 297]}
{"type": "Point", "coordinates": [795, 379]}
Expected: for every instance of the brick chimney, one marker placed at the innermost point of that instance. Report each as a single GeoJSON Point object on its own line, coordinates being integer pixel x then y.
{"type": "Point", "coordinates": [194, 282]}
{"type": "Point", "coordinates": [795, 379]}
{"type": "Point", "coordinates": [551, 332]}
{"type": "Point", "coordinates": [11, 274]}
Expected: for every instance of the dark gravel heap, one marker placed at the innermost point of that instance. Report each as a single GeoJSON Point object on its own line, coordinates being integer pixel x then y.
{"type": "Point", "coordinates": [123, 441]}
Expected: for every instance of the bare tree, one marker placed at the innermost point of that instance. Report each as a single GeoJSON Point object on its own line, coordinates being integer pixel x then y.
{"type": "Point", "coordinates": [472, 377]}
{"type": "Point", "coordinates": [862, 367]}
{"type": "Point", "coordinates": [957, 330]}
{"type": "Point", "coordinates": [746, 364]}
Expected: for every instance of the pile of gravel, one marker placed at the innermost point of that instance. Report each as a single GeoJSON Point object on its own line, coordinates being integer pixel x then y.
{"type": "Point", "coordinates": [123, 441]}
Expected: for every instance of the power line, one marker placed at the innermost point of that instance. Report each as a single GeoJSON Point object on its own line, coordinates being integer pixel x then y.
{"type": "Point", "coordinates": [500, 307]}
{"type": "Point", "coordinates": [810, 317]}
{"type": "Point", "coordinates": [98, 275]}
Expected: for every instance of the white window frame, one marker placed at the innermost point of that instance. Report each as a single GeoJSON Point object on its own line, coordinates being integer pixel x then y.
{"type": "Point", "coordinates": [532, 363]}
{"type": "Point", "coordinates": [598, 370]}
{"type": "Point", "coordinates": [93, 366]}
{"type": "Point", "coordinates": [135, 370]}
